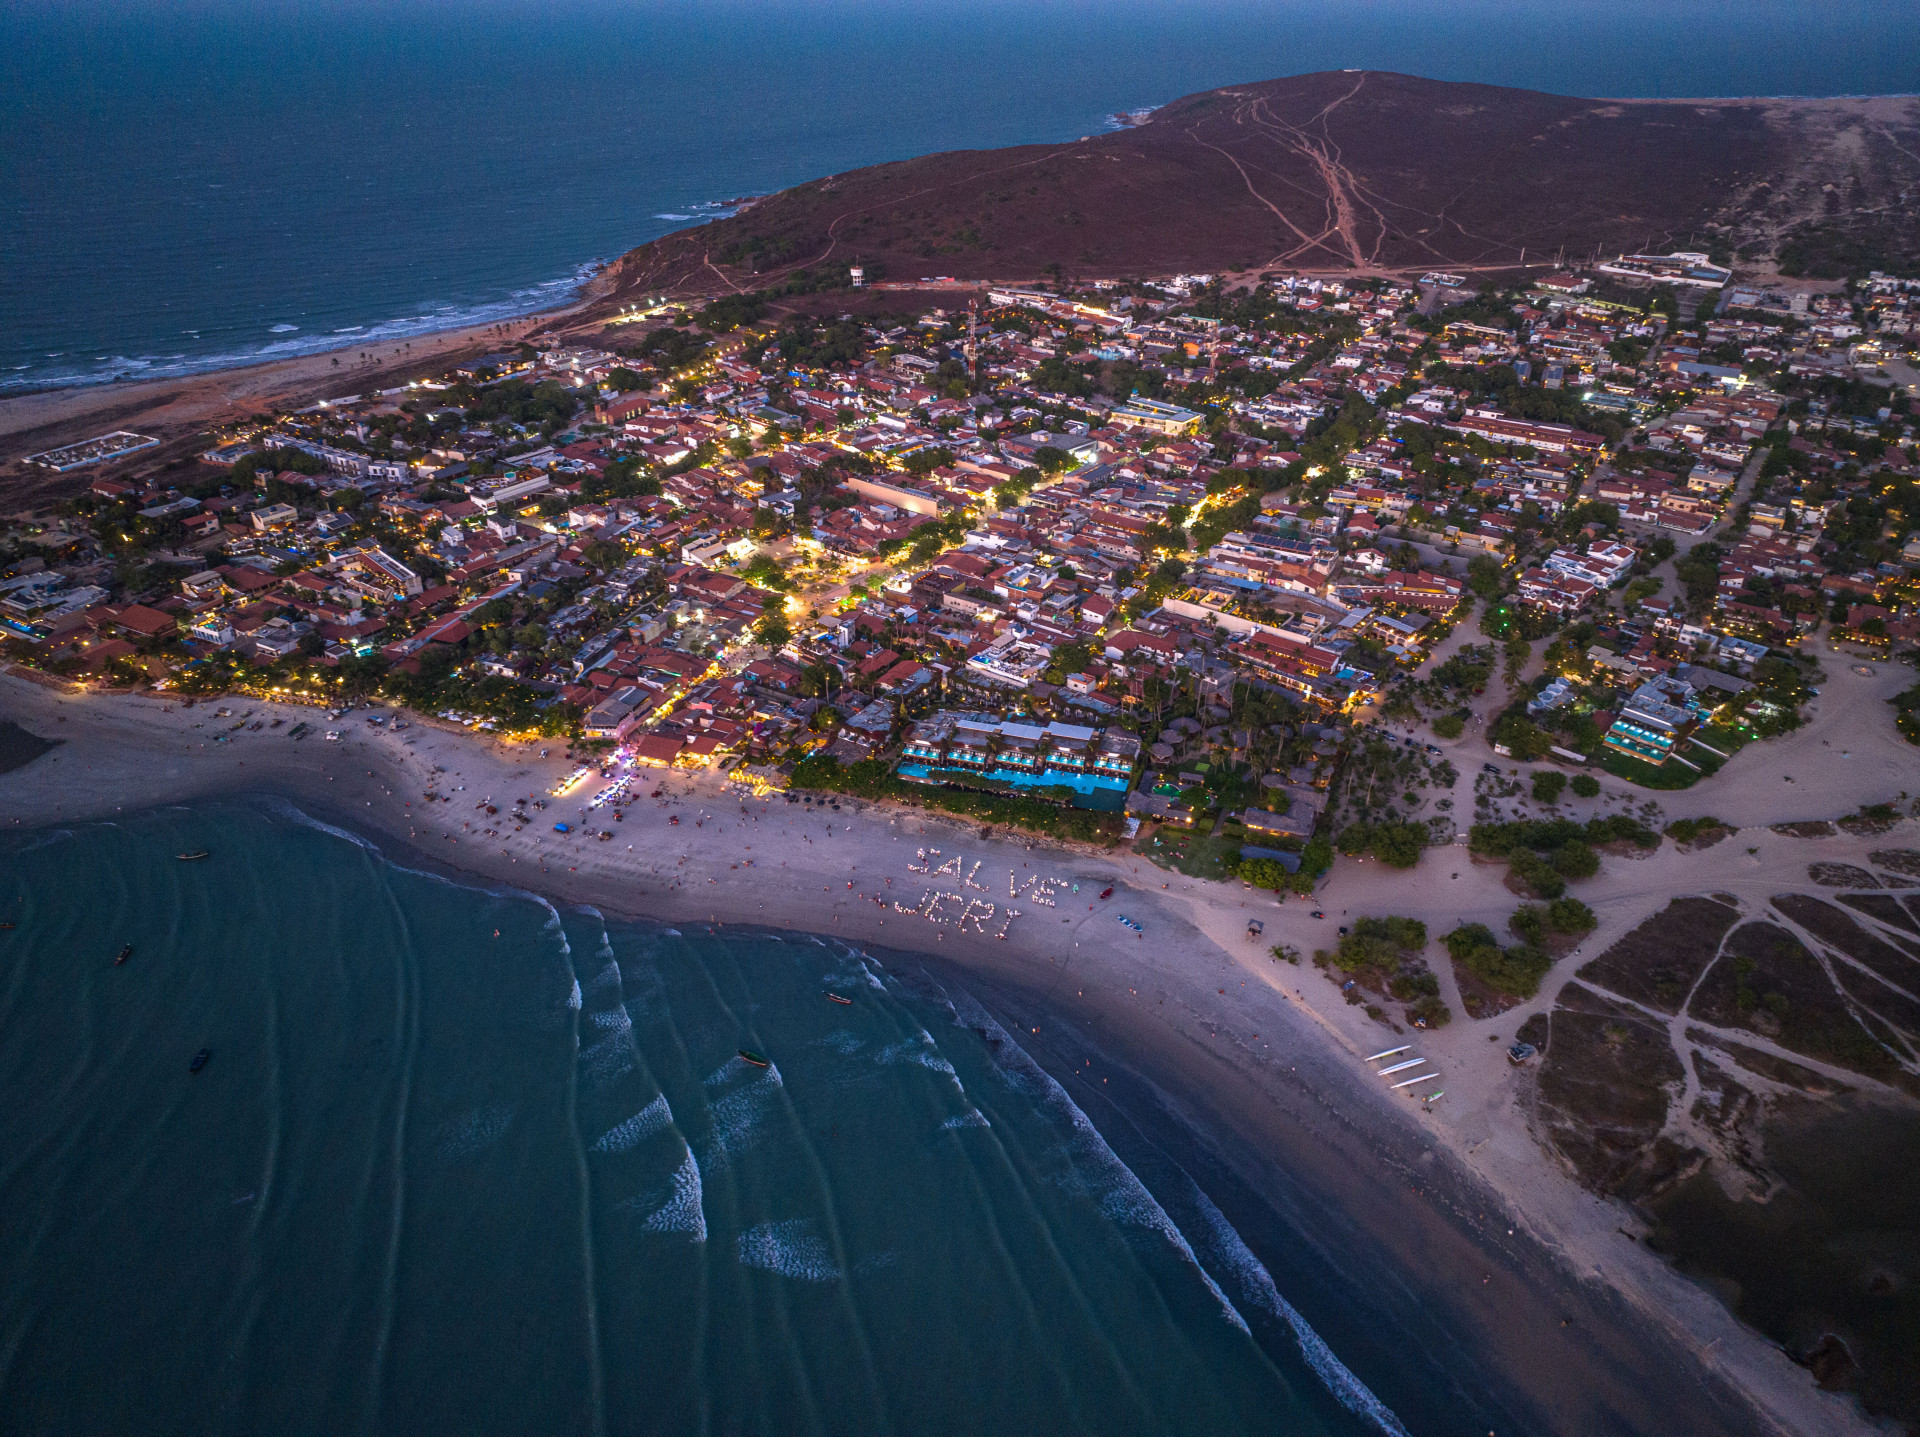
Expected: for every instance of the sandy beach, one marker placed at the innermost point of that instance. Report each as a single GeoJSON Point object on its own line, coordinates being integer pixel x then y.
{"type": "Point", "coordinates": [1481, 1227]}
{"type": "Point", "coordinates": [180, 409]}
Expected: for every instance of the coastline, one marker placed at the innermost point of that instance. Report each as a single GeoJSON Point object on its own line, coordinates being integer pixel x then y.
{"type": "Point", "coordinates": [1255, 1065]}
{"type": "Point", "coordinates": [179, 408]}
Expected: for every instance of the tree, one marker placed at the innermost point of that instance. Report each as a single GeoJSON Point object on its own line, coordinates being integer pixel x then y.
{"type": "Point", "coordinates": [1547, 785]}
{"type": "Point", "coordinates": [772, 630]}
{"type": "Point", "coordinates": [1486, 576]}
{"type": "Point", "coordinates": [925, 461]}
{"type": "Point", "coordinates": [1051, 459]}
{"type": "Point", "coordinates": [1585, 785]}
{"type": "Point", "coordinates": [1265, 873]}
{"type": "Point", "coordinates": [1398, 845]}
{"type": "Point", "coordinates": [1449, 726]}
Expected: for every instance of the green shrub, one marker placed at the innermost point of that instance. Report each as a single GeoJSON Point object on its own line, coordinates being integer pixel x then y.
{"type": "Point", "coordinates": [1538, 874]}
{"type": "Point", "coordinates": [1379, 943]}
{"type": "Point", "coordinates": [1585, 785]}
{"type": "Point", "coordinates": [1570, 915]}
{"type": "Point", "coordinates": [1429, 1011]}
{"type": "Point", "coordinates": [1548, 784]}
{"type": "Point", "coordinates": [1398, 845]}
{"type": "Point", "coordinates": [1685, 830]}
{"type": "Point", "coordinates": [1449, 726]}
{"type": "Point", "coordinates": [1516, 971]}
{"type": "Point", "coordinates": [1265, 873]}
{"type": "Point", "coordinates": [1575, 860]}
{"type": "Point", "coordinates": [1529, 921]}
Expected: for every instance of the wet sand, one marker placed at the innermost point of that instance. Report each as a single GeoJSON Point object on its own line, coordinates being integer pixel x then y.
{"type": "Point", "coordinates": [1253, 1065]}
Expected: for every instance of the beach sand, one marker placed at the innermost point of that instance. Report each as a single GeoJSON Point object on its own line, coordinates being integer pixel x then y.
{"type": "Point", "coordinates": [1263, 1057]}
{"type": "Point", "coordinates": [179, 410]}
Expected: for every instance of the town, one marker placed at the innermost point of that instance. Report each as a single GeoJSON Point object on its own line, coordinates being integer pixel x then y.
{"type": "Point", "coordinates": [1161, 561]}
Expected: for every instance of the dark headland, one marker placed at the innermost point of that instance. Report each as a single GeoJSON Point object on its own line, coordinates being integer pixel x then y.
{"type": "Point", "coordinates": [1345, 170]}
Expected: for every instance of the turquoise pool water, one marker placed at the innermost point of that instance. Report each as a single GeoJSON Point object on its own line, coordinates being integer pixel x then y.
{"type": "Point", "coordinates": [1091, 790]}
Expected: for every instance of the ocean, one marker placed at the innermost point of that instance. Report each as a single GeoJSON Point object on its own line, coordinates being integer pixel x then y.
{"type": "Point", "coordinates": [461, 1161]}
{"type": "Point", "coordinates": [194, 184]}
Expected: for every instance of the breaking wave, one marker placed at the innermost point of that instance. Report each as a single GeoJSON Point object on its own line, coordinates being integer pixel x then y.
{"type": "Point", "coordinates": [655, 1117]}
{"type": "Point", "coordinates": [1123, 1198]}
{"type": "Point", "coordinates": [684, 1212]}
{"type": "Point", "coordinates": [791, 1249]}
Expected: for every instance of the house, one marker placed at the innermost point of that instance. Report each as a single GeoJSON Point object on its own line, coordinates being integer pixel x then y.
{"type": "Point", "coordinates": [1660, 713]}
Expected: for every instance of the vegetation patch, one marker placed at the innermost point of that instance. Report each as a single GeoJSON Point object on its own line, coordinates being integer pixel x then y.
{"type": "Point", "coordinates": [1872, 820]}
{"type": "Point", "coordinates": [1660, 960]}
{"type": "Point", "coordinates": [1841, 875]}
{"type": "Point", "coordinates": [1783, 1071]}
{"type": "Point", "coordinates": [1807, 828]}
{"type": "Point", "coordinates": [1898, 860]}
{"type": "Point", "coordinates": [1557, 926]}
{"type": "Point", "coordinates": [1493, 979]}
{"type": "Point", "coordinates": [1543, 854]}
{"type": "Point", "coordinates": [1768, 983]}
{"type": "Point", "coordinates": [1604, 1089]}
{"type": "Point", "coordinates": [1831, 926]}
{"type": "Point", "coordinates": [1383, 955]}
{"type": "Point", "coordinates": [1879, 906]}
{"type": "Point", "coordinates": [1824, 1267]}
{"type": "Point", "coordinates": [1692, 834]}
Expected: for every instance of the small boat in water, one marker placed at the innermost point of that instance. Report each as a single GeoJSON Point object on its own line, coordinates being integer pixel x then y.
{"type": "Point", "coordinates": [199, 1060]}
{"type": "Point", "coordinates": [747, 1055]}
{"type": "Point", "coordinates": [189, 857]}
{"type": "Point", "coordinates": [838, 999]}
{"type": "Point", "coordinates": [125, 953]}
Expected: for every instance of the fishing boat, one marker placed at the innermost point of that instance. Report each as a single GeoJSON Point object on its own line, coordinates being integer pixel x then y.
{"type": "Point", "coordinates": [747, 1055]}
{"type": "Point", "coordinates": [6, 927]}
{"type": "Point", "coordinates": [125, 953]}
{"type": "Point", "coordinates": [189, 857]}
{"type": "Point", "coordinates": [838, 999]}
{"type": "Point", "coordinates": [199, 1060]}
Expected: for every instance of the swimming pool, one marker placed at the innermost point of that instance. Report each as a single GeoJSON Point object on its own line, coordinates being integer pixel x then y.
{"type": "Point", "coordinates": [1090, 790]}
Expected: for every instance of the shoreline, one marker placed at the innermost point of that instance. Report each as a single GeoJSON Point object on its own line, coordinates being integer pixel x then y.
{"type": "Point", "coordinates": [181, 407]}
{"type": "Point", "coordinates": [1256, 1063]}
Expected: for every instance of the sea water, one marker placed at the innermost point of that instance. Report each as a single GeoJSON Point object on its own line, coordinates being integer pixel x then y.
{"type": "Point", "coordinates": [197, 183]}
{"type": "Point", "coordinates": [464, 1161]}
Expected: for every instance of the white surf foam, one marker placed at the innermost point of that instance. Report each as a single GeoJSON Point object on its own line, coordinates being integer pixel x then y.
{"type": "Point", "coordinates": [737, 1118]}
{"type": "Point", "coordinates": [573, 998]}
{"type": "Point", "coordinates": [299, 815]}
{"type": "Point", "coordinates": [791, 1249]}
{"type": "Point", "coordinates": [655, 1117]}
{"type": "Point", "coordinates": [1123, 1198]}
{"type": "Point", "coordinates": [607, 1059]}
{"type": "Point", "coordinates": [45, 840]}
{"type": "Point", "coordinates": [1256, 1288]}
{"type": "Point", "coordinates": [972, 1118]}
{"type": "Point", "coordinates": [684, 1212]}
